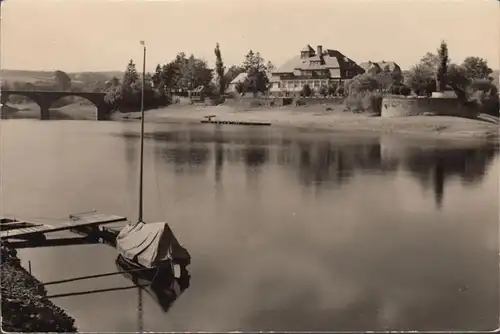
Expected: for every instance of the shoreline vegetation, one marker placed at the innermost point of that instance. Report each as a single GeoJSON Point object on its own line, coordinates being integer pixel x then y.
{"type": "Point", "coordinates": [25, 307]}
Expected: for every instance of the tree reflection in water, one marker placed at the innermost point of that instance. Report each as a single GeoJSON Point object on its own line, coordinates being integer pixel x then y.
{"type": "Point", "coordinates": [318, 161]}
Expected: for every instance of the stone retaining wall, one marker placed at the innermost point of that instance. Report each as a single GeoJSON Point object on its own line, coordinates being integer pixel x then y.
{"type": "Point", "coordinates": [282, 101]}
{"type": "Point", "coordinates": [398, 106]}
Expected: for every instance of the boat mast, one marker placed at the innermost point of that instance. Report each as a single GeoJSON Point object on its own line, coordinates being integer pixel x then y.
{"type": "Point", "coordinates": [141, 166]}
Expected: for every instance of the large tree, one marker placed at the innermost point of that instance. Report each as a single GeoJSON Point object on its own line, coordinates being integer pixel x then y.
{"type": "Point", "coordinates": [219, 70]}
{"type": "Point", "coordinates": [442, 67]}
{"type": "Point", "coordinates": [130, 76]}
{"type": "Point", "coordinates": [63, 81]}
{"type": "Point", "coordinates": [421, 79]}
{"type": "Point", "coordinates": [255, 68]}
{"type": "Point", "coordinates": [476, 68]}
{"type": "Point", "coordinates": [253, 61]}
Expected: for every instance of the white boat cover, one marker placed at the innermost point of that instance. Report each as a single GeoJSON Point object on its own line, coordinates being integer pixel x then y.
{"type": "Point", "coordinates": [149, 243]}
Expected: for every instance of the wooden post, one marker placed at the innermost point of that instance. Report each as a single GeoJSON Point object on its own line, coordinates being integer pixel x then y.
{"type": "Point", "coordinates": [29, 266]}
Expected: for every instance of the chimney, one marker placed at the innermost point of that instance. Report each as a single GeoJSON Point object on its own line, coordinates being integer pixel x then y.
{"type": "Point", "coordinates": [319, 50]}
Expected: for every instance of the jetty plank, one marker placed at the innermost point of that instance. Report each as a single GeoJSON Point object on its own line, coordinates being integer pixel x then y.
{"type": "Point", "coordinates": [80, 221]}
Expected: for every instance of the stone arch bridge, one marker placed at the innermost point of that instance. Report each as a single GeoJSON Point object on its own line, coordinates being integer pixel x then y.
{"type": "Point", "coordinates": [45, 99]}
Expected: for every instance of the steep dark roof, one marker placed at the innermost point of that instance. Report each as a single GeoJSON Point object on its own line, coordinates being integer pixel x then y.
{"type": "Point", "coordinates": [329, 60]}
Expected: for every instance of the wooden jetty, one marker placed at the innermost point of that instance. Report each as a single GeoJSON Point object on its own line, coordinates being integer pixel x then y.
{"type": "Point", "coordinates": [236, 122]}
{"type": "Point", "coordinates": [208, 120]}
{"type": "Point", "coordinates": [90, 225]}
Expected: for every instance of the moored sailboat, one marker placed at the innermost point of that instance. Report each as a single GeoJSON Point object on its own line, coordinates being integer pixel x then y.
{"type": "Point", "coordinates": [150, 246]}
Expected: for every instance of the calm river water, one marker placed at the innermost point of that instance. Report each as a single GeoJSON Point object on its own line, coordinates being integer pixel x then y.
{"type": "Point", "coordinates": [287, 230]}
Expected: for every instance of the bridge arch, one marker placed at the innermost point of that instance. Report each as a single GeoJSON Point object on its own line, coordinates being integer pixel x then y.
{"type": "Point", "coordinates": [18, 106]}
{"type": "Point", "coordinates": [46, 99]}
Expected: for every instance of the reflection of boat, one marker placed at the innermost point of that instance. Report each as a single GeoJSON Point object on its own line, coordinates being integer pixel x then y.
{"type": "Point", "coordinates": [161, 283]}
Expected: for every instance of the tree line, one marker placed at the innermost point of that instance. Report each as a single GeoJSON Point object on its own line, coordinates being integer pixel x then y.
{"type": "Point", "coordinates": [181, 75]}
{"type": "Point", "coordinates": [471, 80]}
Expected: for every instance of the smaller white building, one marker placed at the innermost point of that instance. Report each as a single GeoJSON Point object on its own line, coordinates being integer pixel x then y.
{"type": "Point", "coordinates": [240, 78]}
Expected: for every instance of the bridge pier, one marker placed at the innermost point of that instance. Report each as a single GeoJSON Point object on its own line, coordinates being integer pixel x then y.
{"type": "Point", "coordinates": [44, 112]}
{"type": "Point", "coordinates": [103, 113]}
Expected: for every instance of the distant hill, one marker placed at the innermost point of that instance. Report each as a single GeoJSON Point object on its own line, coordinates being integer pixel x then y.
{"type": "Point", "coordinates": [38, 76]}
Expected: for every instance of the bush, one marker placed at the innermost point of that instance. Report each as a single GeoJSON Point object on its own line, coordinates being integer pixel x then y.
{"type": "Point", "coordinates": [340, 91]}
{"type": "Point", "coordinates": [395, 89]}
{"type": "Point", "coordinates": [484, 95]}
{"type": "Point", "coordinates": [366, 101]}
{"type": "Point", "coordinates": [405, 90]}
{"type": "Point", "coordinates": [323, 90]}
{"type": "Point", "coordinates": [332, 89]}
{"type": "Point", "coordinates": [306, 91]}
{"type": "Point", "coordinates": [360, 83]}
{"type": "Point", "coordinates": [254, 103]}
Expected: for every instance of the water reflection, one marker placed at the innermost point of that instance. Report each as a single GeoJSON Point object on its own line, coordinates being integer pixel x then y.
{"type": "Point", "coordinates": [337, 234]}
{"type": "Point", "coordinates": [164, 287]}
{"type": "Point", "coordinates": [321, 162]}
{"type": "Point", "coordinates": [432, 167]}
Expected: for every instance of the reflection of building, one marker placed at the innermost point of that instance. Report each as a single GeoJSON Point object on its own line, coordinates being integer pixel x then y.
{"type": "Point", "coordinates": [313, 67]}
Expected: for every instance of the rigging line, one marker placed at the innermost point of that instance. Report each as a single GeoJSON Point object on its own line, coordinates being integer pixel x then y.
{"type": "Point", "coordinates": [140, 320]}
{"type": "Point", "coordinates": [69, 294]}
{"type": "Point", "coordinates": [92, 276]}
{"type": "Point", "coordinates": [140, 310]}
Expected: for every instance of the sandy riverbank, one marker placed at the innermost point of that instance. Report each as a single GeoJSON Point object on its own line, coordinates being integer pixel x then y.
{"type": "Point", "coordinates": [310, 117]}
{"type": "Point", "coordinates": [487, 127]}
{"type": "Point", "coordinates": [25, 307]}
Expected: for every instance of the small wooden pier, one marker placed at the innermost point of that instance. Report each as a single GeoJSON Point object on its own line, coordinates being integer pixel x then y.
{"type": "Point", "coordinates": [208, 120]}
{"type": "Point", "coordinates": [236, 123]}
{"type": "Point", "coordinates": [90, 226]}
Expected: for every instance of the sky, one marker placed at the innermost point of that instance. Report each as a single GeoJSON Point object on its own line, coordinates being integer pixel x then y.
{"type": "Point", "coordinates": [102, 35]}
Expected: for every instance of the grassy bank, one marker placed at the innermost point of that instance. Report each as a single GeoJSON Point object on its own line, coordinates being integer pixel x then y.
{"type": "Point", "coordinates": [25, 307]}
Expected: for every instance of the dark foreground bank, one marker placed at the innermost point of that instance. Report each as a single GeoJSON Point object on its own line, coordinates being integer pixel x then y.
{"type": "Point", "coordinates": [25, 307]}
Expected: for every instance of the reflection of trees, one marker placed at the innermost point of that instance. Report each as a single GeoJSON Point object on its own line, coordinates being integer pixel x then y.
{"type": "Point", "coordinates": [219, 154]}
{"type": "Point", "coordinates": [318, 162]}
{"type": "Point", "coordinates": [182, 149]}
{"type": "Point", "coordinates": [321, 162]}
{"type": "Point", "coordinates": [434, 166]}
{"type": "Point", "coordinates": [255, 156]}
{"type": "Point", "coordinates": [184, 155]}
{"type": "Point", "coordinates": [130, 149]}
